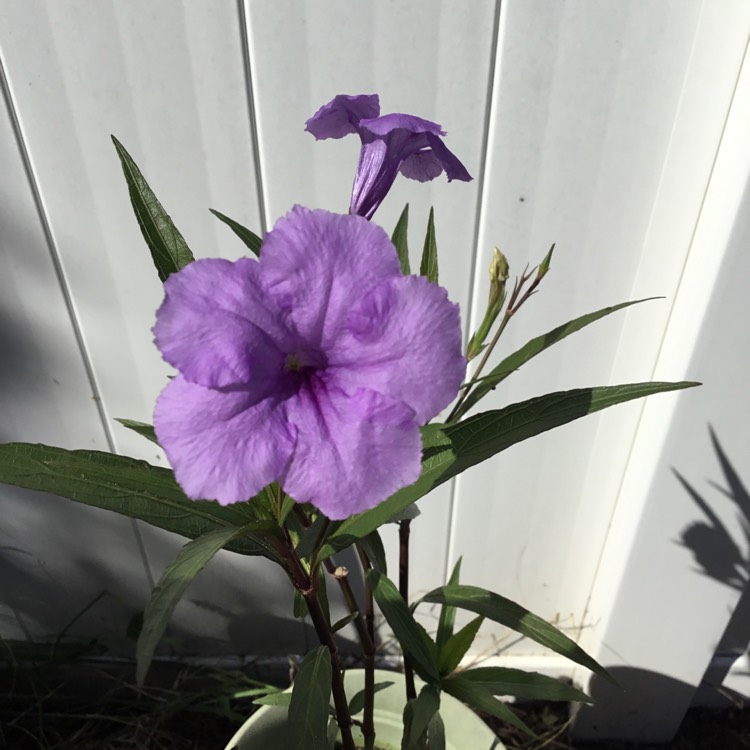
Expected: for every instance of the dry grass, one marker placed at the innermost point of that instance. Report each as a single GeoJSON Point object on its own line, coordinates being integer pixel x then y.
{"type": "Point", "coordinates": [57, 701]}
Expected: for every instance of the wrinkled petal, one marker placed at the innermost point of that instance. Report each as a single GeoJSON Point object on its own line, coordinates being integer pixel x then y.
{"type": "Point", "coordinates": [454, 170]}
{"type": "Point", "coordinates": [222, 446]}
{"type": "Point", "coordinates": [403, 340]}
{"type": "Point", "coordinates": [382, 126]}
{"type": "Point", "coordinates": [422, 166]}
{"type": "Point", "coordinates": [341, 116]}
{"type": "Point", "coordinates": [353, 451]}
{"type": "Point", "coordinates": [316, 265]}
{"type": "Point", "coordinates": [218, 326]}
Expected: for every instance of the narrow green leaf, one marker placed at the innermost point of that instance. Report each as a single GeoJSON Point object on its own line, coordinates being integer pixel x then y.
{"type": "Point", "coordinates": [528, 685]}
{"type": "Point", "coordinates": [274, 699]}
{"type": "Point", "coordinates": [449, 450]}
{"type": "Point", "coordinates": [169, 250]}
{"type": "Point", "coordinates": [447, 614]}
{"type": "Point", "coordinates": [437, 456]}
{"type": "Point", "coordinates": [146, 430]}
{"type": "Point", "coordinates": [481, 700]}
{"type": "Point", "coordinates": [457, 645]}
{"type": "Point", "coordinates": [191, 559]}
{"type": "Point", "coordinates": [429, 266]}
{"type": "Point", "coordinates": [344, 621]}
{"type": "Point", "coordinates": [400, 240]}
{"type": "Point", "coordinates": [536, 346]}
{"type": "Point", "coordinates": [436, 732]}
{"type": "Point", "coordinates": [310, 536]}
{"type": "Point", "coordinates": [357, 703]}
{"type": "Point", "coordinates": [372, 544]}
{"type": "Point", "coordinates": [299, 605]}
{"type": "Point", "coordinates": [125, 485]}
{"type": "Point", "coordinates": [514, 616]}
{"type": "Point", "coordinates": [333, 734]}
{"type": "Point", "coordinates": [410, 634]}
{"type": "Point", "coordinates": [251, 240]}
{"type": "Point", "coordinates": [417, 716]}
{"type": "Point", "coordinates": [311, 696]}
{"type": "Point", "coordinates": [482, 436]}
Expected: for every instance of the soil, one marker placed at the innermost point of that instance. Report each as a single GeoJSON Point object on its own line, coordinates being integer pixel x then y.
{"type": "Point", "coordinates": [90, 708]}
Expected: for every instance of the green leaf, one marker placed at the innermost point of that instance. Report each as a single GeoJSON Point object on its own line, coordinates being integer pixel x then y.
{"type": "Point", "coordinates": [429, 266]}
{"type": "Point", "coordinates": [311, 696]}
{"type": "Point", "coordinates": [191, 559]}
{"type": "Point", "coordinates": [146, 430]}
{"type": "Point", "coordinates": [436, 732]}
{"type": "Point", "coordinates": [343, 622]}
{"type": "Point", "coordinates": [457, 645]}
{"type": "Point", "coordinates": [410, 634]}
{"type": "Point", "coordinates": [169, 250]}
{"type": "Point", "coordinates": [357, 703]}
{"type": "Point", "coordinates": [127, 486]}
{"type": "Point", "coordinates": [449, 450]}
{"type": "Point", "coordinates": [417, 716]}
{"type": "Point", "coordinates": [482, 436]}
{"type": "Point", "coordinates": [310, 536]}
{"type": "Point", "coordinates": [437, 456]}
{"type": "Point", "coordinates": [447, 614]}
{"type": "Point", "coordinates": [514, 616]}
{"type": "Point", "coordinates": [299, 605]}
{"type": "Point", "coordinates": [372, 545]}
{"type": "Point", "coordinates": [400, 240]}
{"type": "Point", "coordinates": [536, 346]}
{"type": "Point", "coordinates": [528, 685]}
{"type": "Point", "coordinates": [274, 699]}
{"type": "Point", "coordinates": [476, 696]}
{"type": "Point", "coordinates": [251, 240]}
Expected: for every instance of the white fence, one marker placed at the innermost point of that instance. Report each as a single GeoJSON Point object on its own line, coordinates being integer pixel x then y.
{"type": "Point", "coordinates": [616, 130]}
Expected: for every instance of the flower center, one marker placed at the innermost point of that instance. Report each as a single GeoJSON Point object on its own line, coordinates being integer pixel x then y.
{"type": "Point", "coordinates": [305, 361]}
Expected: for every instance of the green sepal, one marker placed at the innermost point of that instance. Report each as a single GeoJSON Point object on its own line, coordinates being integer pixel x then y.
{"type": "Point", "coordinates": [169, 250]}
{"type": "Point", "coordinates": [251, 240]}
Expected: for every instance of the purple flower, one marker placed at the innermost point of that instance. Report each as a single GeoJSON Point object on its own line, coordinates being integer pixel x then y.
{"type": "Point", "coordinates": [314, 367]}
{"type": "Point", "coordinates": [390, 144]}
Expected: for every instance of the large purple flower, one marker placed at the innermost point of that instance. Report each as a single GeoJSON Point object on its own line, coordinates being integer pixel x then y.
{"type": "Point", "coordinates": [314, 367]}
{"type": "Point", "coordinates": [390, 144]}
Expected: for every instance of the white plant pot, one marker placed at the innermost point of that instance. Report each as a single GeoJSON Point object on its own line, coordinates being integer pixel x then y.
{"type": "Point", "coordinates": [464, 730]}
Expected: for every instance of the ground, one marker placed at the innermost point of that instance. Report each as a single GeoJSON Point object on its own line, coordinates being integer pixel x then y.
{"type": "Point", "coordinates": [90, 706]}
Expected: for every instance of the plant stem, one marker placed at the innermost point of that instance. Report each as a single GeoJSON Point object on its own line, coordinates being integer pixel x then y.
{"type": "Point", "coordinates": [368, 726]}
{"type": "Point", "coordinates": [306, 586]}
{"type": "Point", "coordinates": [404, 529]}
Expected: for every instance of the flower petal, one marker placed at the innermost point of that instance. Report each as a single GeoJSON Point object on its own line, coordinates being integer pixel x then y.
{"type": "Point", "coordinates": [341, 115]}
{"type": "Point", "coordinates": [223, 446]}
{"type": "Point", "coordinates": [354, 449]}
{"type": "Point", "coordinates": [217, 325]}
{"type": "Point", "coordinates": [403, 339]}
{"type": "Point", "coordinates": [422, 166]}
{"type": "Point", "coordinates": [316, 265]}
{"type": "Point", "coordinates": [454, 170]}
{"type": "Point", "coordinates": [385, 124]}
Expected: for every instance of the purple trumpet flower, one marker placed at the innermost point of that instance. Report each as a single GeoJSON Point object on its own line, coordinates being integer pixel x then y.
{"type": "Point", "coordinates": [314, 366]}
{"type": "Point", "coordinates": [390, 144]}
